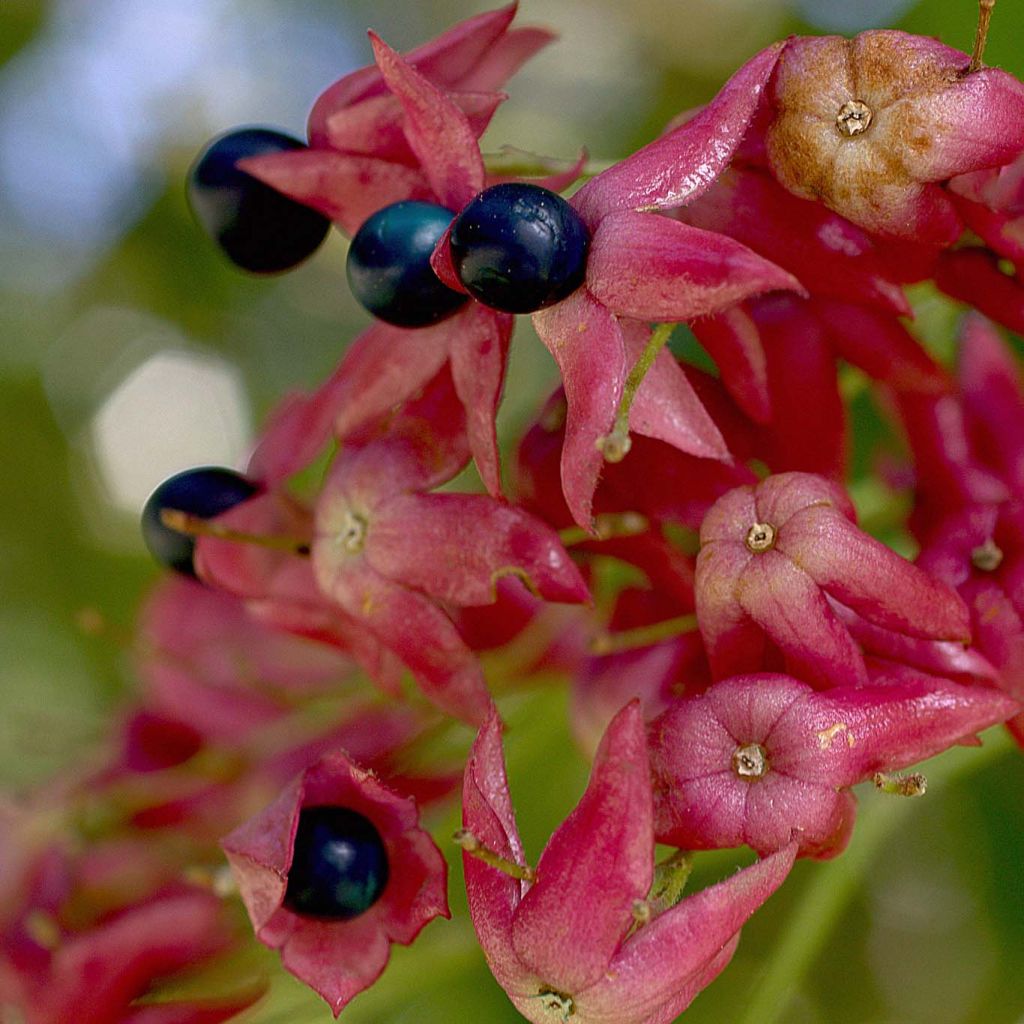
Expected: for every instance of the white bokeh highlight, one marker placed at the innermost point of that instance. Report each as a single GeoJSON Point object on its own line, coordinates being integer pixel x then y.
{"type": "Point", "coordinates": [176, 410]}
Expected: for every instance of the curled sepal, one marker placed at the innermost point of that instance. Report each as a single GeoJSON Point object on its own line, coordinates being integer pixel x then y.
{"type": "Point", "coordinates": [338, 958]}
{"type": "Point", "coordinates": [681, 165]}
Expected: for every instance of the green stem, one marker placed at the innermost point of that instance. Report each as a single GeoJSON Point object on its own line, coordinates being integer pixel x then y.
{"type": "Point", "coordinates": [615, 446]}
{"type": "Point", "coordinates": [643, 636]}
{"type": "Point", "coordinates": [834, 884]}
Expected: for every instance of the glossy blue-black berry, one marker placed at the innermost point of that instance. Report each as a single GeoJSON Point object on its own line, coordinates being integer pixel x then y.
{"type": "Point", "coordinates": [389, 268]}
{"type": "Point", "coordinates": [339, 865]}
{"type": "Point", "coordinates": [519, 247]}
{"type": "Point", "coordinates": [258, 228]}
{"type": "Point", "coordinates": [205, 492]}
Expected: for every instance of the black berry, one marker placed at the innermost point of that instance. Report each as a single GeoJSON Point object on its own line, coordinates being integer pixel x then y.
{"type": "Point", "coordinates": [389, 265]}
{"type": "Point", "coordinates": [519, 247]}
{"type": "Point", "coordinates": [339, 864]}
{"type": "Point", "coordinates": [258, 228]}
{"type": "Point", "coordinates": [205, 492]}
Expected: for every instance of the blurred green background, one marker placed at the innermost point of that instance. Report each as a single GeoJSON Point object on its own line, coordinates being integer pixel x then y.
{"type": "Point", "coordinates": [129, 350]}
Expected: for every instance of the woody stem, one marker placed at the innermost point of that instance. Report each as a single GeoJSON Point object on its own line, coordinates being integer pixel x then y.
{"type": "Point", "coordinates": [981, 35]}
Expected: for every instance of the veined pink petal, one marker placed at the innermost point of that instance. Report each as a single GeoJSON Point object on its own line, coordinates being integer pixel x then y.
{"type": "Point", "coordinates": [732, 340]}
{"type": "Point", "coordinates": [828, 254]}
{"type": "Point", "coordinates": [586, 341]}
{"type": "Point", "coordinates": [419, 632]}
{"type": "Point", "coordinates": [871, 578]}
{"type": "Point", "coordinates": [788, 605]}
{"type": "Point", "coordinates": [946, 658]}
{"type": "Point", "coordinates": [678, 167]}
{"type": "Point", "coordinates": [652, 976]}
{"type": "Point", "coordinates": [596, 864]}
{"type": "Point", "coordinates": [702, 800]}
{"type": "Point", "coordinates": [880, 345]}
{"type": "Point", "coordinates": [438, 131]}
{"type": "Point", "coordinates": [374, 126]}
{"type": "Point", "coordinates": [666, 407]}
{"type": "Point", "coordinates": [382, 368]}
{"type": "Point", "coordinates": [885, 727]}
{"type": "Point", "coordinates": [655, 268]}
{"type": "Point", "coordinates": [456, 547]}
{"type": "Point", "coordinates": [345, 188]}
{"type": "Point", "coordinates": [446, 60]}
{"type": "Point", "coordinates": [479, 351]}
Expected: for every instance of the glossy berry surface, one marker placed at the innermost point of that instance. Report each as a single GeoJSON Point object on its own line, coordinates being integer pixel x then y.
{"type": "Point", "coordinates": [389, 268]}
{"type": "Point", "coordinates": [519, 247]}
{"type": "Point", "coordinates": [205, 492]}
{"type": "Point", "coordinates": [258, 228]}
{"type": "Point", "coordinates": [339, 865]}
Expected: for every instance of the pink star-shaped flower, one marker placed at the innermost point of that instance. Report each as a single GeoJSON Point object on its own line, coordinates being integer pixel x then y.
{"type": "Point", "coordinates": [773, 556]}
{"type": "Point", "coordinates": [339, 959]}
{"type": "Point", "coordinates": [387, 557]}
{"type": "Point", "coordinates": [759, 758]}
{"type": "Point", "coordinates": [641, 267]}
{"type": "Point", "coordinates": [404, 129]}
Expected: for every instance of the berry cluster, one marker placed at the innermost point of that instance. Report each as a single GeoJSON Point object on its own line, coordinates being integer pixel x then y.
{"type": "Point", "coordinates": [756, 652]}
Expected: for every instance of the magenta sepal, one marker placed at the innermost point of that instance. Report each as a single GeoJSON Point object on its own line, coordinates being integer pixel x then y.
{"type": "Point", "coordinates": [680, 166]}
{"type": "Point", "coordinates": [345, 187]}
{"type": "Point", "coordinates": [384, 367]}
{"type": "Point", "coordinates": [973, 276]}
{"type": "Point", "coordinates": [439, 133]}
{"type": "Point", "coordinates": [993, 396]}
{"type": "Point", "coordinates": [829, 255]}
{"type": "Point", "coordinates": [475, 55]}
{"type": "Point", "coordinates": [676, 281]}
{"type": "Point", "coordinates": [338, 959]}
{"type": "Point", "coordinates": [656, 268]}
{"type": "Point", "coordinates": [566, 939]}
{"type": "Point", "coordinates": [760, 758]}
{"type": "Point", "coordinates": [770, 557]}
